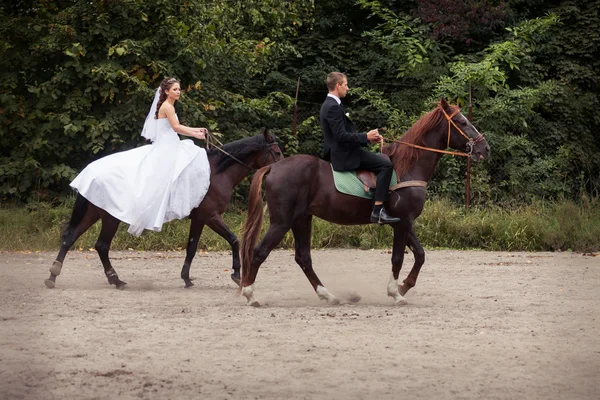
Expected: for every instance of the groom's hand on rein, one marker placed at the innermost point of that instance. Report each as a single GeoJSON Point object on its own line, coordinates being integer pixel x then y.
{"type": "Point", "coordinates": [373, 136]}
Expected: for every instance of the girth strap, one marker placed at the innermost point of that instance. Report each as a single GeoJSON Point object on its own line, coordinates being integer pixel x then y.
{"type": "Point", "coordinates": [408, 184]}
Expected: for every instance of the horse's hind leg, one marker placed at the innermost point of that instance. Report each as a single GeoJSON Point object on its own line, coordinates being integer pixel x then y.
{"type": "Point", "coordinates": [273, 237]}
{"type": "Point", "coordinates": [70, 236]}
{"type": "Point", "coordinates": [109, 229]}
{"type": "Point", "coordinates": [419, 254]}
{"type": "Point", "coordinates": [401, 232]}
{"type": "Point", "coordinates": [196, 228]}
{"type": "Point", "coordinates": [217, 224]}
{"type": "Point", "coordinates": [302, 234]}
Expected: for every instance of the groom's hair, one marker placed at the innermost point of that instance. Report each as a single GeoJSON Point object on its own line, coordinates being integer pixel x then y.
{"type": "Point", "coordinates": [333, 79]}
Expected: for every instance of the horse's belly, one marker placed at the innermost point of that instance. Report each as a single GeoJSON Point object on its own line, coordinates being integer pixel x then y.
{"type": "Point", "coordinates": [342, 209]}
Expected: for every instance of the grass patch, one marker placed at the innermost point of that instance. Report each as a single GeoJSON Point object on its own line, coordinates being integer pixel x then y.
{"type": "Point", "coordinates": [543, 226]}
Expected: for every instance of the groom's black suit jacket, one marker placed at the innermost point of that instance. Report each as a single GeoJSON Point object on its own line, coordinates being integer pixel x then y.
{"type": "Point", "coordinates": [343, 144]}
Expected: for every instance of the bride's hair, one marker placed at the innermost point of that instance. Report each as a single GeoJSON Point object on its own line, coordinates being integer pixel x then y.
{"type": "Point", "coordinates": [164, 86]}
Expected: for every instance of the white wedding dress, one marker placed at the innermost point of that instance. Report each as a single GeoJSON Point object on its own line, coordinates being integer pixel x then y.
{"type": "Point", "coordinates": [149, 185]}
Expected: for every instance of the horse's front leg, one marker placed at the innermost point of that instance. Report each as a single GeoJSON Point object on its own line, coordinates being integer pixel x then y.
{"type": "Point", "coordinates": [196, 228]}
{"type": "Point", "coordinates": [217, 224]}
{"type": "Point", "coordinates": [401, 231]}
{"type": "Point", "coordinates": [415, 246]}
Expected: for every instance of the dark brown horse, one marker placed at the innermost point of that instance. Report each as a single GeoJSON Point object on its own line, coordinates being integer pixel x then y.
{"type": "Point", "coordinates": [301, 187]}
{"type": "Point", "coordinates": [228, 165]}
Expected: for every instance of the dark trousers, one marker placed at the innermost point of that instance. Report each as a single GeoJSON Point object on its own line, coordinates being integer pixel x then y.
{"type": "Point", "coordinates": [383, 167]}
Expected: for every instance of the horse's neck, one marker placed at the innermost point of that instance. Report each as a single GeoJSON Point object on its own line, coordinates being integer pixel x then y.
{"type": "Point", "coordinates": [232, 176]}
{"type": "Point", "coordinates": [426, 166]}
{"type": "Point", "coordinates": [428, 160]}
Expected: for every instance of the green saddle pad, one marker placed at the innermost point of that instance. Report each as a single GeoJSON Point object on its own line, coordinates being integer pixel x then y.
{"type": "Point", "coordinates": [348, 183]}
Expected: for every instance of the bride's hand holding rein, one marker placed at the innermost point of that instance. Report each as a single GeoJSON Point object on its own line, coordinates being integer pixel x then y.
{"type": "Point", "coordinates": [200, 133]}
{"type": "Point", "coordinates": [168, 111]}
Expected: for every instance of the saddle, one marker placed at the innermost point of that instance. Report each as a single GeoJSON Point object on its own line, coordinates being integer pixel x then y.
{"type": "Point", "coordinates": [368, 179]}
{"type": "Point", "coordinates": [362, 183]}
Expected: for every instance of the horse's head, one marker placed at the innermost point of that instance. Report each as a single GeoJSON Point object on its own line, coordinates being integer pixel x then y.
{"type": "Point", "coordinates": [269, 154]}
{"type": "Point", "coordinates": [462, 135]}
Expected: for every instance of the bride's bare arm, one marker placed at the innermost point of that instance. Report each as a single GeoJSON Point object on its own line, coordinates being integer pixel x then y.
{"type": "Point", "coordinates": [169, 110]}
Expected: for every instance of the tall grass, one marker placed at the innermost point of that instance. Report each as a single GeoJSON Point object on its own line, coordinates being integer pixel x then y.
{"type": "Point", "coordinates": [549, 226]}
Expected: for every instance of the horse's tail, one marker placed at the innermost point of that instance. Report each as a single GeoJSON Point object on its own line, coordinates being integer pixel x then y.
{"type": "Point", "coordinates": [79, 209]}
{"type": "Point", "coordinates": [253, 223]}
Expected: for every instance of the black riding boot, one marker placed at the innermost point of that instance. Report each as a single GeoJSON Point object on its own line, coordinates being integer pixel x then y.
{"type": "Point", "coordinates": [380, 216]}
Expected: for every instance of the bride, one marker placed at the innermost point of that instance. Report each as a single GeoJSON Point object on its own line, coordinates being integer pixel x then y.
{"type": "Point", "coordinates": [153, 184]}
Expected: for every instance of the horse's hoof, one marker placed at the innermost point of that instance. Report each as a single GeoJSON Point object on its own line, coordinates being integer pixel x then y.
{"type": "Point", "coordinates": [49, 284]}
{"type": "Point", "coordinates": [121, 285]}
{"type": "Point", "coordinates": [400, 302]}
{"type": "Point", "coordinates": [254, 303]}
{"type": "Point", "coordinates": [188, 284]}
{"type": "Point", "coordinates": [236, 278]}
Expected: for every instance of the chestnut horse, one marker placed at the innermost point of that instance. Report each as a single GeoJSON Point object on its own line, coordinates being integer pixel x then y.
{"type": "Point", "coordinates": [301, 187]}
{"type": "Point", "coordinates": [228, 166]}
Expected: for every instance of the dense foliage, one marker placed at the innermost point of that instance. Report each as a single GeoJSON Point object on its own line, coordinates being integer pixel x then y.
{"type": "Point", "coordinates": [76, 79]}
{"type": "Point", "coordinates": [526, 66]}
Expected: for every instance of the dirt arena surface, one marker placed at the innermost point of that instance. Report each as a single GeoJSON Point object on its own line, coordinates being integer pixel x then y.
{"type": "Point", "coordinates": [479, 325]}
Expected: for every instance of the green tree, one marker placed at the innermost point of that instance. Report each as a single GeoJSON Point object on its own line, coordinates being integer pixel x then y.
{"type": "Point", "coordinates": [77, 77]}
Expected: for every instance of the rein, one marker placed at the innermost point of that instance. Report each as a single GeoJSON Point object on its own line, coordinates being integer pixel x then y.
{"type": "Point", "coordinates": [210, 136]}
{"type": "Point", "coordinates": [471, 142]}
{"type": "Point", "coordinates": [416, 146]}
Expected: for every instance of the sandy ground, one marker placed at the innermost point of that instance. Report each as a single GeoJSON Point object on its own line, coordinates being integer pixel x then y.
{"type": "Point", "coordinates": [479, 325]}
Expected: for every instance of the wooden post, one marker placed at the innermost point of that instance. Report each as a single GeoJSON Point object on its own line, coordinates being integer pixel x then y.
{"type": "Point", "coordinates": [470, 116]}
{"type": "Point", "coordinates": [468, 186]}
{"type": "Point", "coordinates": [468, 189]}
{"type": "Point", "coordinates": [296, 107]}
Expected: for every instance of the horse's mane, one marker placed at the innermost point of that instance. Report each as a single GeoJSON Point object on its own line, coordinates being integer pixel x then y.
{"type": "Point", "coordinates": [402, 156]}
{"type": "Point", "coordinates": [241, 149]}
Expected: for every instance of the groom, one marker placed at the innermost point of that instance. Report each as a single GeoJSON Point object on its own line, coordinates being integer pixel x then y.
{"type": "Point", "coordinates": [343, 145]}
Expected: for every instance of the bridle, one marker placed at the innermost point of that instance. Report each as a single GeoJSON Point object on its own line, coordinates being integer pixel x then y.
{"type": "Point", "coordinates": [271, 152]}
{"type": "Point", "coordinates": [470, 141]}
{"type": "Point", "coordinates": [211, 137]}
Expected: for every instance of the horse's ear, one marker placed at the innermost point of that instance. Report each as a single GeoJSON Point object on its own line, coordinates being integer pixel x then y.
{"type": "Point", "coordinates": [266, 134]}
{"type": "Point", "coordinates": [443, 102]}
